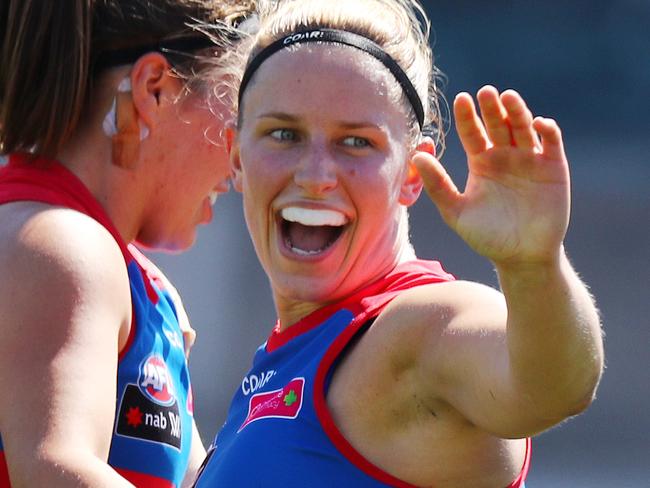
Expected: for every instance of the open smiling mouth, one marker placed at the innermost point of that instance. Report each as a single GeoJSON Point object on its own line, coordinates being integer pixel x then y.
{"type": "Point", "coordinates": [308, 232]}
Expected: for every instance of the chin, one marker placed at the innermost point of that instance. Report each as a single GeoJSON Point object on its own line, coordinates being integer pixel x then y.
{"type": "Point", "coordinates": [173, 245]}
{"type": "Point", "coordinates": [307, 289]}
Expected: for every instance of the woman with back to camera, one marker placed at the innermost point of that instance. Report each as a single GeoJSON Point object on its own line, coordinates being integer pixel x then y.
{"type": "Point", "coordinates": [112, 140]}
{"type": "Point", "coordinates": [382, 369]}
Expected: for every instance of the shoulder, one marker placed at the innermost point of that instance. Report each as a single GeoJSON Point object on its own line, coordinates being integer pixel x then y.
{"type": "Point", "coordinates": [62, 239]}
{"type": "Point", "coordinates": [433, 327]}
{"type": "Point", "coordinates": [445, 304]}
{"type": "Point", "coordinates": [57, 261]}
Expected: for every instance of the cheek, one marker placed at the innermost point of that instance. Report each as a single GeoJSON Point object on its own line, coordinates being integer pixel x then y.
{"type": "Point", "coordinates": [217, 160]}
{"type": "Point", "coordinates": [202, 131]}
{"type": "Point", "coordinates": [261, 171]}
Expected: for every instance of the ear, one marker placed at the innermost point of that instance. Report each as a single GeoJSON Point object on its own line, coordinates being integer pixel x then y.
{"type": "Point", "coordinates": [232, 146]}
{"type": "Point", "coordinates": [153, 87]}
{"type": "Point", "coordinates": [413, 184]}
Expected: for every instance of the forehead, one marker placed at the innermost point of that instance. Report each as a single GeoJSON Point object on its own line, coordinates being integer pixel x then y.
{"type": "Point", "coordinates": [328, 80]}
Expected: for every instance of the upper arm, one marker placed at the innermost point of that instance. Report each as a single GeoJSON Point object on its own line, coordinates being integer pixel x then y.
{"type": "Point", "coordinates": [459, 352]}
{"type": "Point", "coordinates": [65, 302]}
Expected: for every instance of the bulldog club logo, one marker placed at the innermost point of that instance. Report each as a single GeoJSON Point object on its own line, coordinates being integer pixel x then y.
{"type": "Point", "coordinates": [155, 381]}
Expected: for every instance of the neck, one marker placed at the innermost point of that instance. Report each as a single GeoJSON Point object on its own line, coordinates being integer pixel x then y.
{"type": "Point", "coordinates": [90, 159]}
{"type": "Point", "coordinates": [293, 309]}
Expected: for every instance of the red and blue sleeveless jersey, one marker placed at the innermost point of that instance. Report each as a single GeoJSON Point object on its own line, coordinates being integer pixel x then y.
{"type": "Point", "coordinates": [152, 432]}
{"type": "Point", "coordinates": [279, 430]}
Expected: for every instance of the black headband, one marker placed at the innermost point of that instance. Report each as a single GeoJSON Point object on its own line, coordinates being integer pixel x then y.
{"type": "Point", "coordinates": [118, 57]}
{"type": "Point", "coordinates": [339, 37]}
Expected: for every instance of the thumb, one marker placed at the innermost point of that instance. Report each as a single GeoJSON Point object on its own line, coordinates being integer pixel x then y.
{"type": "Point", "coordinates": [438, 185]}
{"type": "Point", "coordinates": [189, 337]}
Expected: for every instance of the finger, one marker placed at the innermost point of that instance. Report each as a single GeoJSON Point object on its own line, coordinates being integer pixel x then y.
{"type": "Point", "coordinates": [189, 337]}
{"type": "Point", "coordinates": [438, 185]}
{"type": "Point", "coordinates": [520, 120]}
{"type": "Point", "coordinates": [494, 116]}
{"type": "Point", "coordinates": [552, 145]}
{"type": "Point", "coordinates": [468, 125]}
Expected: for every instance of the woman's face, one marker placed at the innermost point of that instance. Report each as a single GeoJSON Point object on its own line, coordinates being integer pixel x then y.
{"type": "Point", "coordinates": [321, 158]}
{"type": "Point", "coordinates": [191, 167]}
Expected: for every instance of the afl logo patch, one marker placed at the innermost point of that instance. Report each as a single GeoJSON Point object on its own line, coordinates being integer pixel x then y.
{"type": "Point", "coordinates": [155, 382]}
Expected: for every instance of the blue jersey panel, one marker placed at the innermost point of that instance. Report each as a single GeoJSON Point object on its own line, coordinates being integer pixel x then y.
{"type": "Point", "coordinates": [273, 428]}
{"type": "Point", "coordinates": [153, 423]}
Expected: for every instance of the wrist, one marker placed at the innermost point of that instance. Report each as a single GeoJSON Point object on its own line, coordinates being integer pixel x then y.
{"type": "Point", "coordinates": [530, 271]}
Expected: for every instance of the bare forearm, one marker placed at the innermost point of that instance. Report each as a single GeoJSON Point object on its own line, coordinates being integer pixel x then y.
{"type": "Point", "coordinates": [554, 336]}
{"type": "Point", "coordinates": [66, 470]}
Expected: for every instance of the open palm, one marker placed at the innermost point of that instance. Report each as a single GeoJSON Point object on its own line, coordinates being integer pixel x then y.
{"type": "Point", "coordinates": [515, 206]}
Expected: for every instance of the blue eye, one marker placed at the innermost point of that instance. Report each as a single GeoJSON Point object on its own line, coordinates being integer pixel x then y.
{"type": "Point", "coordinates": [356, 142]}
{"type": "Point", "coordinates": [283, 135]}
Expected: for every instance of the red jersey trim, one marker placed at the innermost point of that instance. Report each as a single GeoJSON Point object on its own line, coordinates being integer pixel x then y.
{"type": "Point", "coordinates": [150, 271]}
{"type": "Point", "coordinates": [57, 186]}
{"type": "Point", "coordinates": [142, 480]}
{"type": "Point", "coordinates": [519, 481]}
{"type": "Point", "coordinates": [4, 471]}
{"type": "Point", "coordinates": [325, 417]}
{"type": "Point", "coordinates": [399, 279]}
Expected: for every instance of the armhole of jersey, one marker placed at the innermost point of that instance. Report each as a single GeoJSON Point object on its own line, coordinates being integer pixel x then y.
{"type": "Point", "coordinates": [132, 327]}
{"type": "Point", "coordinates": [350, 344]}
{"type": "Point", "coordinates": [4, 470]}
{"type": "Point", "coordinates": [208, 455]}
{"type": "Point", "coordinates": [360, 324]}
{"type": "Point", "coordinates": [325, 418]}
{"type": "Point", "coordinates": [130, 258]}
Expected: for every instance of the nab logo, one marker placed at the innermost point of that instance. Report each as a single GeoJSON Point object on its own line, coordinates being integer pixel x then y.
{"type": "Point", "coordinates": [155, 382]}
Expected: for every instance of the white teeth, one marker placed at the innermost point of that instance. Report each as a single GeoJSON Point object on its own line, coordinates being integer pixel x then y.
{"type": "Point", "coordinates": [213, 197]}
{"type": "Point", "coordinates": [302, 252]}
{"type": "Point", "coordinates": [314, 217]}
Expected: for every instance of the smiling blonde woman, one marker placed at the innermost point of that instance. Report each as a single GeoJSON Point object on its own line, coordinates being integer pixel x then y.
{"type": "Point", "coordinates": [382, 369]}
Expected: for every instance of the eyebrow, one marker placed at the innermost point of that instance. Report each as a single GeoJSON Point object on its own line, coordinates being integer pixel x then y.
{"type": "Point", "coordinates": [279, 115]}
{"type": "Point", "coordinates": [340, 123]}
{"type": "Point", "coordinates": [360, 125]}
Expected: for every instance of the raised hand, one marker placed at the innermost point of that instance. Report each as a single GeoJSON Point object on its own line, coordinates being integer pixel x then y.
{"type": "Point", "coordinates": [515, 206]}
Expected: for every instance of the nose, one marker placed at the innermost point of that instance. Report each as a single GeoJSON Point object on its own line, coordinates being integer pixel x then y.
{"type": "Point", "coordinates": [316, 173]}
